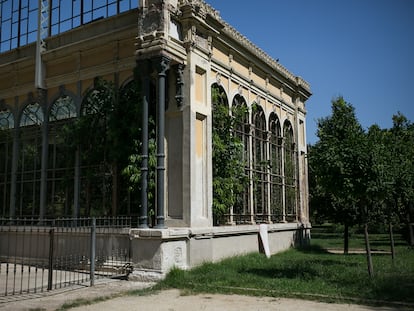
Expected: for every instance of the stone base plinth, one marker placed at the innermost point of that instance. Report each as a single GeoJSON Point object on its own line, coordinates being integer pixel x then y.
{"type": "Point", "coordinates": [156, 251]}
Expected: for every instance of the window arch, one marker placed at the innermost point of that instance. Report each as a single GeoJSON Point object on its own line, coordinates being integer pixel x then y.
{"type": "Point", "coordinates": [6, 154]}
{"type": "Point", "coordinates": [290, 171]}
{"type": "Point", "coordinates": [260, 164]}
{"type": "Point", "coordinates": [63, 108]}
{"type": "Point", "coordinates": [6, 119]}
{"type": "Point", "coordinates": [32, 115]}
{"type": "Point", "coordinates": [275, 159]}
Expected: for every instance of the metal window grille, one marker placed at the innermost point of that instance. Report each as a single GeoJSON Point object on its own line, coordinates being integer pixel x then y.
{"type": "Point", "coordinates": [260, 165]}
{"type": "Point", "coordinates": [290, 168]}
{"type": "Point", "coordinates": [276, 180]}
{"type": "Point", "coordinates": [242, 210]}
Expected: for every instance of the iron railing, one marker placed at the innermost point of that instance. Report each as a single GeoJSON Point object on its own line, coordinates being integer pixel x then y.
{"type": "Point", "coordinates": [38, 256]}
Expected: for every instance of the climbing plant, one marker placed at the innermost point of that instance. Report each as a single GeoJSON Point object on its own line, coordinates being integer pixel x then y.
{"type": "Point", "coordinates": [229, 178]}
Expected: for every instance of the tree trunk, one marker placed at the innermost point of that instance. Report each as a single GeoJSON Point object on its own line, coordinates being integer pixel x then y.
{"type": "Point", "coordinates": [368, 251]}
{"type": "Point", "coordinates": [410, 230]}
{"type": "Point", "coordinates": [392, 243]}
{"type": "Point", "coordinates": [346, 239]}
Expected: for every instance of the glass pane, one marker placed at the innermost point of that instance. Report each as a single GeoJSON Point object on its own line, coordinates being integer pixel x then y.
{"type": "Point", "coordinates": [33, 20]}
{"type": "Point", "coordinates": [112, 10]}
{"type": "Point", "coordinates": [32, 115]}
{"type": "Point", "coordinates": [33, 4]}
{"type": "Point", "coordinates": [98, 13]}
{"type": "Point", "coordinates": [98, 3]}
{"type": "Point", "coordinates": [76, 7]}
{"type": "Point", "coordinates": [6, 120]}
{"type": "Point", "coordinates": [64, 108]}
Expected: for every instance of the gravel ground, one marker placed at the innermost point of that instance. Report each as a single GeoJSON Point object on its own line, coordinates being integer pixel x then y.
{"type": "Point", "coordinates": [169, 300]}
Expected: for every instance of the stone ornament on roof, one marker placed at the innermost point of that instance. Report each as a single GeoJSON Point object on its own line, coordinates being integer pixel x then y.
{"type": "Point", "coordinates": [203, 10]}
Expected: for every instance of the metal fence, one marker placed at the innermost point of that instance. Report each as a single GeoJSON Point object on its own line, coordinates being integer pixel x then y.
{"type": "Point", "coordinates": [38, 256]}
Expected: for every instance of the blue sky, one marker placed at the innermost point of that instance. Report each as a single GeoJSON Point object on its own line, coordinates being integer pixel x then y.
{"type": "Point", "coordinates": [362, 50]}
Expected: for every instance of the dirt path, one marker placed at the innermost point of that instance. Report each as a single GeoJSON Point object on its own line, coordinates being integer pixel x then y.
{"type": "Point", "coordinates": [173, 300]}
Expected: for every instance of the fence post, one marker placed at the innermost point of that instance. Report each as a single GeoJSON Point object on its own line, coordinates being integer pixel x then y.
{"type": "Point", "coordinates": [93, 242]}
{"type": "Point", "coordinates": [50, 271]}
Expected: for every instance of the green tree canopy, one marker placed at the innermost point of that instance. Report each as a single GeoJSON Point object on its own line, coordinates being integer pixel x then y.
{"type": "Point", "coordinates": [338, 161]}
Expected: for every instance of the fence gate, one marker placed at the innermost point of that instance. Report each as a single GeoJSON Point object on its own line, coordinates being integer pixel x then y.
{"type": "Point", "coordinates": [42, 256]}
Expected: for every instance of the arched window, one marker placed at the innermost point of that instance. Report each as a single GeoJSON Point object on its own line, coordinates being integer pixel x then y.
{"type": "Point", "coordinates": [260, 164]}
{"type": "Point", "coordinates": [6, 147]}
{"type": "Point", "coordinates": [289, 172]}
{"type": "Point", "coordinates": [29, 165]}
{"type": "Point", "coordinates": [128, 122]}
{"type": "Point", "coordinates": [61, 157]}
{"type": "Point", "coordinates": [240, 114]}
{"type": "Point", "coordinates": [93, 134]}
{"type": "Point", "coordinates": [275, 159]}
{"type": "Point", "coordinates": [32, 115]}
{"type": "Point", "coordinates": [221, 130]}
{"type": "Point", "coordinates": [6, 119]}
{"type": "Point", "coordinates": [63, 108]}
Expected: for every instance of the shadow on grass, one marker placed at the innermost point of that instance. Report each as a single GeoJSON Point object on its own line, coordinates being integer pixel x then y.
{"type": "Point", "coordinates": [395, 288]}
{"type": "Point", "coordinates": [312, 249]}
{"type": "Point", "coordinates": [293, 272]}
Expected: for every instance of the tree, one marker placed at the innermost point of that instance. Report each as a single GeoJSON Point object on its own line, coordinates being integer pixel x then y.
{"type": "Point", "coordinates": [380, 181]}
{"type": "Point", "coordinates": [402, 140]}
{"type": "Point", "coordinates": [337, 164]}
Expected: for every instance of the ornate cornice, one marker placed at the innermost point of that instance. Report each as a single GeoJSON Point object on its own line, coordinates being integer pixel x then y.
{"type": "Point", "coordinates": [203, 10]}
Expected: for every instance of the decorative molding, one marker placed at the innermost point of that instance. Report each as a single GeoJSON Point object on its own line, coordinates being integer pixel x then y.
{"type": "Point", "coordinates": [161, 64]}
{"type": "Point", "coordinates": [151, 20]}
{"type": "Point", "coordinates": [179, 93]}
{"type": "Point", "coordinates": [218, 78]}
{"type": "Point", "coordinates": [203, 10]}
{"type": "Point", "coordinates": [240, 90]}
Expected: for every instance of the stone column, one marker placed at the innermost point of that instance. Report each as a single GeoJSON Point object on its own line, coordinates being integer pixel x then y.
{"type": "Point", "coordinates": [162, 64]}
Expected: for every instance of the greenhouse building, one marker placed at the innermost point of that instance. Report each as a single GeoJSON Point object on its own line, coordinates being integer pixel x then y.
{"type": "Point", "coordinates": [157, 111]}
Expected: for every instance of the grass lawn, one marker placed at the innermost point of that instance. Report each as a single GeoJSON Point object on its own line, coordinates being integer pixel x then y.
{"type": "Point", "coordinates": [310, 273]}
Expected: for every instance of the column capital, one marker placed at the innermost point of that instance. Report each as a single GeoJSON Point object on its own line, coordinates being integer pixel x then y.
{"type": "Point", "coordinates": [161, 64]}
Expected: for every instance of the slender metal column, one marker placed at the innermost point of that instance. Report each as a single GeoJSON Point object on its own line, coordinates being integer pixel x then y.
{"type": "Point", "coordinates": [93, 252]}
{"type": "Point", "coordinates": [43, 172]}
{"type": "Point", "coordinates": [144, 72]}
{"type": "Point", "coordinates": [76, 185]}
{"type": "Point", "coordinates": [163, 64]}
{"type": "Point", "coordinates": [15, 160]}
{"type": "Point", "coordinates": [77, 168]}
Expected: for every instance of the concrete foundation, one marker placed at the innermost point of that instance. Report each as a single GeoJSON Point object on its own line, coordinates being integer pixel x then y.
{"type": "Point", "coordinates": [155, 252]}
